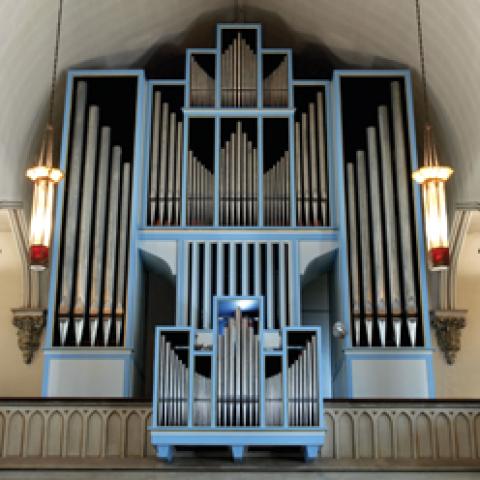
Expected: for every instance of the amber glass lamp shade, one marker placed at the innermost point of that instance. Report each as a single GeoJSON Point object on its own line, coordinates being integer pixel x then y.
{"type": "Point", "coordinates": [433, 177]}
{"type": "Point", "coordinates": [44, 178]}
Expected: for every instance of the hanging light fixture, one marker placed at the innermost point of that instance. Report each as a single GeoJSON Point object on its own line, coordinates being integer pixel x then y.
{"type": "Point", "coordinates": [432, 177]}
{"type": "Point", "coordinates": [44, 177]}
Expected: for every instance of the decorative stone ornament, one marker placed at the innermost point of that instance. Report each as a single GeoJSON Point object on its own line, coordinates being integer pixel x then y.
{"type": "Point", "coordinates": [447, 325]}
{"type": "Point", "coordinates": [30, 323]}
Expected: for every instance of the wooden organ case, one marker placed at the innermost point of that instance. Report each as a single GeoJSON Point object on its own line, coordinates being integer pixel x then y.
{"type": "Point", "coordinates": [213, 229]}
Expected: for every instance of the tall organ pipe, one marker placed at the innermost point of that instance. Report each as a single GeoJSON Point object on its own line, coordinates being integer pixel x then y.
{"type": "Point", "coordinates": [84, 244]}
{"type": "Point", "coordinates": [313, 161]}
{"type": "Point", "coordinates": [111, 248]}
{"type": "Point", "coordinates": [364, 234]}
{"type": "Point", "coordinates": [410, 298]}
{"type": "Point", "coordinates": [157, 103]}
{"type": "Point", "coordinates": [306, 169]}
{"type": "Point", "coordinates": [171, 166]}
{"type": "Point", "coordinates": [99, 238]}
{"type": "Point", "coordinates": [322, 158]}
{"type": "Point", "coordinates": [353, 235]}
{"type": "Point", "coordinates": [178, 172]}
{"type": "Point", "coordinates": [298, 174]}
{"type": "Point", "coordinates": [162, 178]}
{"type": "Point", "coordinates": [390, 216]}
{"type": "Point", "coordinates": [72, 206]}
{"type": "Point", "coordinates": [377, 223]}
{"type": "Point", "coordinates": [122, 252]}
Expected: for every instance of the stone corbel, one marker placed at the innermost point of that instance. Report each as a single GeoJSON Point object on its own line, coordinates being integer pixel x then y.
{"type": "Point", "coordinates": [448, 325]}
{"type": "Point", "coordinates": [30, 323]}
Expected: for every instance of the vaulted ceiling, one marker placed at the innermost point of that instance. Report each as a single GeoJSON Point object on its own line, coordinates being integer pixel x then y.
{"type": "Point", "coordinates": [324, 34]}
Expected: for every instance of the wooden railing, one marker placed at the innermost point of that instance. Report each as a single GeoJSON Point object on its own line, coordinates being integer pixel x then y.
{"type": "Point", "coordinates": [361, 434]}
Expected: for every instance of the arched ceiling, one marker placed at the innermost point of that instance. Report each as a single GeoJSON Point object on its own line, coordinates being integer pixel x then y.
{"type": "Point", "coordinates": [324, 33]}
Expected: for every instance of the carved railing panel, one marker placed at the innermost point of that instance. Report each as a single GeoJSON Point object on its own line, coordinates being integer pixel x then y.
{"type": "Point", "coordinates": [393, 433]}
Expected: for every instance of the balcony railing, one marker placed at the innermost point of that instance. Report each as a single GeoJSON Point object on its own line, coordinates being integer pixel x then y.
{"type": "Point", "coordinates": [365, 435]}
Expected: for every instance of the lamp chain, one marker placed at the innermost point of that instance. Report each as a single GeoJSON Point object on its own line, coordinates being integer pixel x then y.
{"type": "Point", "coordinates": [422, 62]}
{"type": "Point", "coordinates": [236, 11]}
{"type": "Point", "coordinates": [55, 63]}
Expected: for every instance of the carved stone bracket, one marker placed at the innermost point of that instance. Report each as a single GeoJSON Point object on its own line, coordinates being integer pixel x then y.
{"type": "Point", "coordinates": [30, 323]}
{"type": "Point", "coordinates": [448, 325]}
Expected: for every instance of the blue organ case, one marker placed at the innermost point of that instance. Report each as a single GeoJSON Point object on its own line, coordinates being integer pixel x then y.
{"type": "Point", "coordinates": [213, 229]}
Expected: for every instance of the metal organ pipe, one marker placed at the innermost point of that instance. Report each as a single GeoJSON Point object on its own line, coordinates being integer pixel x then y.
{"type": "Point", "coordinates": [305, 170]}
{"type": "Point", "coordinates": [352, 233]}
{"type": "Point", "coordinates": [99, 239]}
{"type": "Point", "coordinates": [275, 88]}
{"type": "Point", "coordinates": [82, 280]}
{"type": "Point", "coordinates": [111, 248]}
{"type": "Point", "coordinates": [298, 174]}
{"type": "Point", "coordinates": [313, 161]}
{"type": "Point", "coordinates": [202, 86]}
{"type": "Point", "coordinates": [165, 165]}
{"type": "Point", "coordinates": [172, 386]}
{"type": "Point", "coordinates": [311, 165]}
{"type": "Point", "coordinates": [178, 173]}
{"type": "Point", "coordinates": [162, 178]}
{"type": "Point", "coordinates": [157, 103]}
{"type": "Point", "coordinates": [365, 228]}
{"type": "Point", "coordinates": [171, 164]}
{"type": "Point", "coordinates": [322, 158]}
{"type": "Point", "coordinates": [277, 192]}
{"type": "Point", "coordinates": [122, 253]}
{"type": "Point", "coordinates": [70, 227]}
{"type": "Point", "coordinates": [401, 300]}
{"type": "Point", "coordinates": [390, 215]}
{"type": "Point", "coordinates": [377, 227]}
{"type": "Point", "coordinates": [238, 178]}
{"type": "Point", "coordinates": [239, 73]}
{"type": "Point", "coordinates": [302, 386]}
{"type": "Point", "coordinates": [237, 372]}
{"type": "Point", "coordinates": [402, 175]}
{"type": "Point", "coordinates": [92, 272]}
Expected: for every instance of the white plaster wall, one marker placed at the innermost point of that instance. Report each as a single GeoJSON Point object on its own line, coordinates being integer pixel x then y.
{"type": "Point", "coordinates": [16, 378]}
{"type": "Point", "coordinates": [462, 380]}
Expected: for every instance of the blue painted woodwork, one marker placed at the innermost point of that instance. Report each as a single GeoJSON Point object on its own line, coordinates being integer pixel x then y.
{"type": "Point", "coordinates": [142, 236]}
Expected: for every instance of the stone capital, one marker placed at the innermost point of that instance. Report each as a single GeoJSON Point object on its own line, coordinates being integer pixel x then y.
{"type": "Point", "coordinates": [29, 323]}
{"type": "Point", "coordinates": [448, 325]}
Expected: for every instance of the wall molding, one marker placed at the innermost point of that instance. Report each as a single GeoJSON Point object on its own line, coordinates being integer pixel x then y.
{"type": "Point", "coordinates": [19, 226]}
{"type": "Point", "coordinates": [28, 318]}
{"type": "Point", "coordinates": [448, 320]}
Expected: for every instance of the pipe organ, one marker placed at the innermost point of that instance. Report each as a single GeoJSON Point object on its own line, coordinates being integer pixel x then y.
{"type": "Point", "coordinates": [214, 228]}
{"type": "Point", "coordinates": [92, 279]}
{"type": "Point", "coordinates": [384, 296]}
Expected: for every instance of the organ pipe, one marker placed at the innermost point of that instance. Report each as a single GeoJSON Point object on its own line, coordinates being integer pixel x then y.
{"type": "Point", "coordinates": [237, 394]}
{"type": "Point", "coordinates": [376, 222]}
{"type": "Point", "coordinates": [82, 280]}
{"type": "Point", "coordinates": [165, 165]}
{"type": "Point", "coordinates": [389, 297]}
{"type": "Point", "coordinates": [239, 74]}
{"type": "Point", "coordinates": [202, 86]}
{"type": "Point", "coordinates": [311, 166]}
{"type": "Point", "coordinates": [238, 180]}
{"type": "Point", "coordinates": [95, 232]}
{"type": "Point", "coordinates": [275, 84]}
{"type": "Point", "coordinates": [207, 261]}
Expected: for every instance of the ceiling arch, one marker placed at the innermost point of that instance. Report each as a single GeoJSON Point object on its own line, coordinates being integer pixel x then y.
{"type": "Point", "coordinates": [324, 34]}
